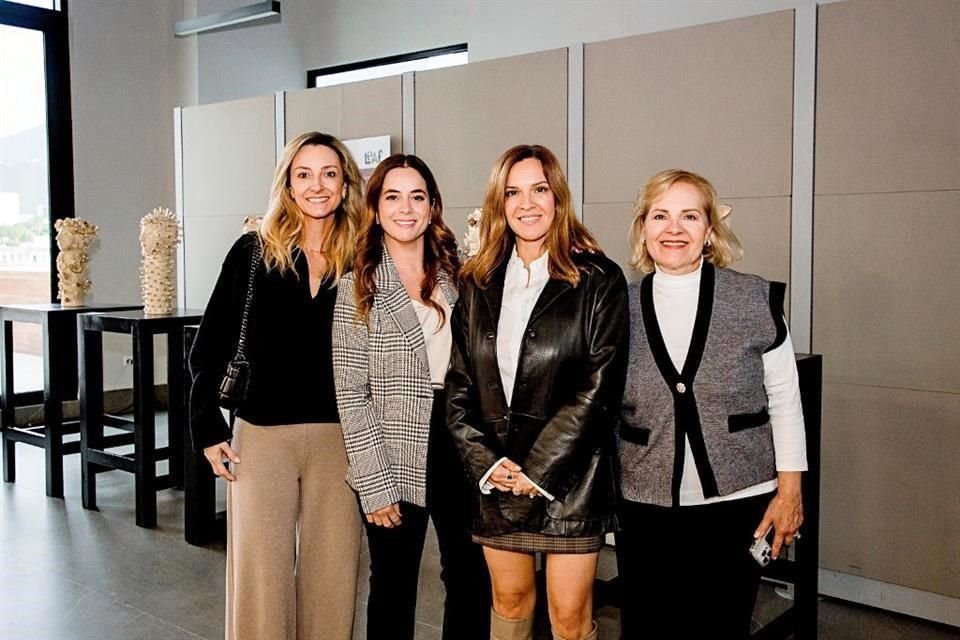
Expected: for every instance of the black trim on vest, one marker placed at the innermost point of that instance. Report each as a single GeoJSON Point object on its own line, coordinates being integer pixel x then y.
{"type": "Point", "coordinates": [778, 291]}
{"type": "Point", "coordinates": [741, 421]}
{"type": "Point", "coordinates": [686, 415]}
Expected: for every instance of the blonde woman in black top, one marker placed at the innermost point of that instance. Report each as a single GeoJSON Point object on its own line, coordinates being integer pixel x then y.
{"type": "Point", "coordinates": [293, 531]}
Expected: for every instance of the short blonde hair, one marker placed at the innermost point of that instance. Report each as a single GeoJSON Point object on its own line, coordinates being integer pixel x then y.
{"type": "Point", "coordinates": [724, 248]}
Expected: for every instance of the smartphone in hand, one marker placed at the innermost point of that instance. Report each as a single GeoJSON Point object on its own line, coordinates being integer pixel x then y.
{"type": "Point", "coordinates": [761, 549]}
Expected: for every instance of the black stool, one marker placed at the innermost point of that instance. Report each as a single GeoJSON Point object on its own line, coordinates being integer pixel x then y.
{"type": "Point", "coordinates": [59, 333]}
{"type": "Point", "coordinates": [93, 445]}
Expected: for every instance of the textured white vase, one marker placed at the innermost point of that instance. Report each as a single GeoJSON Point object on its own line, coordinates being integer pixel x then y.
{"type": "Point", "coordinates": [74, 236]}
{"type": "Point", "coordinates": [159, 237]}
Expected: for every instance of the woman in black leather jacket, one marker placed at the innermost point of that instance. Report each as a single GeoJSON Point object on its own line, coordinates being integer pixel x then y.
{"type": "Point", "coordinates": [537, 374]}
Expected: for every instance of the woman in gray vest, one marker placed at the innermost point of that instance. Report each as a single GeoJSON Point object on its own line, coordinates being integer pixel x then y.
{"type": "Point", "coordinates": [711, 440]}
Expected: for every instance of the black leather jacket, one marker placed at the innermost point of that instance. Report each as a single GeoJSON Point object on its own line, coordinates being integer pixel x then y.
{"type": "Point", "coordinates": [567, 394]}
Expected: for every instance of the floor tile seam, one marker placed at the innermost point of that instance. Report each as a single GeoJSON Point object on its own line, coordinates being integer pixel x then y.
{"type": "Point", "coordinates": [168, 623]}
{"type": "Point", "coordinates": [48, 570]}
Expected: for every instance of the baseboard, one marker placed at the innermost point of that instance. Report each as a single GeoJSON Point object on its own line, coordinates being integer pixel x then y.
{"type": "Point", "coordinates": [891, 597]}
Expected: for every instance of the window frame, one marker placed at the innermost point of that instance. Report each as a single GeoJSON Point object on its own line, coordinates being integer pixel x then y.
{"type": "Point", "coordinates": [56, 46]}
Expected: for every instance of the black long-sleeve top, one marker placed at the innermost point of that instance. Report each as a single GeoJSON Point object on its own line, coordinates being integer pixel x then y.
{"type": "Point", "coordinates": [288, 348]}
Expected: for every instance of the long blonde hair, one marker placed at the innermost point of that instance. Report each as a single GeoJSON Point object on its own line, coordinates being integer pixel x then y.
{"type": "Point", "coordinates": [724, 248]}
{"type": "Point", "coordinates": [565, 237]}
{"type": "Point", "coordinates": [283, 222]}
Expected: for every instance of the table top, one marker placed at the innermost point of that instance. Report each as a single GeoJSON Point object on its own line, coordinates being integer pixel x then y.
{"type": "Point", "coordinates": [26, 312]}
{"type": "Point", "coordinates": [130, 320]}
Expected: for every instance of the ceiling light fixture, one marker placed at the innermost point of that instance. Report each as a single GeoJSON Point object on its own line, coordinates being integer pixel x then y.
{"type": "Point", "coordinates": [256, 11]}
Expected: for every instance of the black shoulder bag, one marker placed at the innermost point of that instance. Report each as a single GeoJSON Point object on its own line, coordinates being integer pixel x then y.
{"type": "Point", "coordinates": [233, 387]}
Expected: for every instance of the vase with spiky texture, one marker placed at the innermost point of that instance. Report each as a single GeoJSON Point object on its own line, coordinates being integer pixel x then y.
{"type": "Point", "coordinates": [159, 237]}
{"type": "Point", "coordinates": [74, 236]}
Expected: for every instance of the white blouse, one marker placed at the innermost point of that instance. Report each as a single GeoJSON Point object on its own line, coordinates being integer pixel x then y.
{"type": "Point", "coordinates": [675, 300]}
{"type": "Point", "coordinates": [438, 339]}
{"type": "Point", "coordinates": [522, 286]}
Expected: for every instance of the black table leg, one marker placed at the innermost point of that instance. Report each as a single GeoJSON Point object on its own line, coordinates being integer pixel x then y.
{"type": "Point", "coordinates": [90, 346]}
{"type": "Point", "coordinates": [145, 436]}
{"type": "Point", "coordinates": [8, 404]}
{"type": "Point", "coordinates": [176, 422]}
{"type": "Point", "coordinates": [52, 412]}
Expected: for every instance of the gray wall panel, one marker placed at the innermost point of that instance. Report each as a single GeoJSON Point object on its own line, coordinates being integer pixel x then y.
{"type": "Point", "coordinates": [228, 162]}
{"type": "Point", "coordinates": [467, 116]}
{"type": "Point", "coordinates": [890, 512]}
{"type": "Point", "coordinates": [886, 291]}
{"type": "Point", "coordinates": [207, 240]}
{"type": "Point", "coordinates": [716, 99]}
{"type": "Point", "coordinates": [228, 157]}
{"type": "Point", "coordinates": [887, 309]}
{"type": "Point", "coordinates": [355, 110]}
{"type": "Point", "coordinates": [888, 95]}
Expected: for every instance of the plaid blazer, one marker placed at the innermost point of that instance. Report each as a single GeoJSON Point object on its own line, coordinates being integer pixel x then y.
{"type": "Point", "coordinates": [384, 393]}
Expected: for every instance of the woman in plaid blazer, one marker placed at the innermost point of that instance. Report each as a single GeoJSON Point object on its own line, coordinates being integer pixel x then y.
{"type": "Point", "coordinates": [391, 350]}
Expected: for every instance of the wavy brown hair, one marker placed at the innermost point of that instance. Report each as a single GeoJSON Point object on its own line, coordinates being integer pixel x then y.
{"type": "Point", "coordinates": [439, 246]}
{"type": "Point", "coordinates": [566, 236]}
{"type": "Point", "coordinates": [283, 223]}
{"type": "Point", "coordinates": [723, 249]}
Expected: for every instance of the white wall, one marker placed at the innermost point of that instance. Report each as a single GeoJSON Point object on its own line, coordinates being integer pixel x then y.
{"type": "Point", "coordinates": [274, 56]}
{"type": "Point", "coordinates": [128, 72]}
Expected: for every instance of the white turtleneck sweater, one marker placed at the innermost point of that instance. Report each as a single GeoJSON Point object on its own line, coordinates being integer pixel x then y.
{"type": "Point", "coordinates": [675, 300]}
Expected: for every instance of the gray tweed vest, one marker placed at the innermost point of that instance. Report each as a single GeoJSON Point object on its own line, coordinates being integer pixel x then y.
{"type": "Point", "coordinates": [718, 400]}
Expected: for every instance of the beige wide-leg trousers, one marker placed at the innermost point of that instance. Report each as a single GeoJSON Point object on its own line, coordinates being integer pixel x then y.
{"type": "Point", "coordinates": [293, 535]}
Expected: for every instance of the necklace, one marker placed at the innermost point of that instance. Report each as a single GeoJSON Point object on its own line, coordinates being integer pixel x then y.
{"type": "Point", "coordinates": [314, 251]}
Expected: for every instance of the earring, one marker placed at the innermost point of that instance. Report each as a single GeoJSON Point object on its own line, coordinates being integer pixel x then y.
{"type": "Point", "coordinates": [343, 194]}
{"type": "Point", "coordinates": [376, 218]}
{"type": "Point", "coordinates": [708, 243]}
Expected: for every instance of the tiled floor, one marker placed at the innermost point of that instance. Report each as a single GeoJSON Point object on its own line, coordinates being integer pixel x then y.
{"type": "Point", "coordinates": [70, 574]}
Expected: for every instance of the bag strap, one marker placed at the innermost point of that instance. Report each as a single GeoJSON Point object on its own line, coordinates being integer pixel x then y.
{"type": "Point", "coordinates": [254, 262]}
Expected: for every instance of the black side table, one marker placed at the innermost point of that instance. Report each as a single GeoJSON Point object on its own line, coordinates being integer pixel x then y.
{"type": "Point", "coordinates": [802, 571]}
{"type": "Point", "coordinates": [95, 457]}
{"type": "Point", "coordinates": [202, 523]}
{"type": "Point", "coordinates": [59, 331]}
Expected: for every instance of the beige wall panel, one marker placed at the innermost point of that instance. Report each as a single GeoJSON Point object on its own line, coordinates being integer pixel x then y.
{"type": "Point", "coordinates": [763, 227]}
{"type": "Point", "coordinates": [716, 99]}
{"type": "Point", "coordinates": [885, 289]}
{"type": "Point", "coordinates": [888, 95]}
{"type": "Point", "coordinates": [762, 224]}
{"type": "Point", "coordinates": [610, 225]}
{"type": "Point", "coordinates": [356, 110]}
{"type": "Point", "coordinates": [890, 509]}
{"type": "Point", "coordinates": [228, 157]}
{"type": "Point", "coordinates": [467, 116]}
{"type": "Point", "coordinates": [206, 242]}
{"type": "Point", "coordinates": [312, 110]}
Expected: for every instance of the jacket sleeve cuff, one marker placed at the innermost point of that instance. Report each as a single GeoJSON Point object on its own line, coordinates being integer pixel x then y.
{"type": "Point", "coordinates": [543, 492]}
{"type": "Point", "coordinates": [376, 501]}
{"type": "Point", "coordinates": [485, 485]}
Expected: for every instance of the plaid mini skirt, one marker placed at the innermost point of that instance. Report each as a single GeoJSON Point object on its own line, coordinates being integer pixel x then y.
{"type": "Point", "coordinates": [527, 542]}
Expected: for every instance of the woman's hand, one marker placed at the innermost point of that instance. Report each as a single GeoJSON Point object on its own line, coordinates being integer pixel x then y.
{"type": "Point", "coordinates": [505, 476]}
{"type": "Point", "coordinates": [387, 517]}
{"type": "Point", "coordinates": [784, 513]}
{"type": "Point", "coordinates": [523, 487]}
{"type": "Point", "coordinates": [215, 455]}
